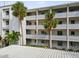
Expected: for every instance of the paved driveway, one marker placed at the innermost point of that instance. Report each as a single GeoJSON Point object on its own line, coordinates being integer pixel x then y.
{"type": "Point", "coordinates": [16, 51]}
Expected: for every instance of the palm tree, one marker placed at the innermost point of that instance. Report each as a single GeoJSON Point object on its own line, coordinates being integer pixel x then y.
{"type": "Point", "coordinates": [19, 10]}
{"type": "Point", "coordinates": [12, 37]}
{"type": "Point", "coordinates": [0, 41]}
{"type": "Point", "coordinates": [49, 23]}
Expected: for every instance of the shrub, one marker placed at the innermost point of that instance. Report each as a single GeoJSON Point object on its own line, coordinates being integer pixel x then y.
{"type": "Point", "coordinates": [77, 50]}
{"type": "Point", "coordinates": [63, 48]}
{"type": "Point", "coordinates": [70, 50]}
{"type": "Point", "coordinates": [54, 48]}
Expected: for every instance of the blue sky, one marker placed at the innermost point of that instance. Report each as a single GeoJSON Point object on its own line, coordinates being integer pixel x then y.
{"type": "Point", "coordinates": [38, 4]}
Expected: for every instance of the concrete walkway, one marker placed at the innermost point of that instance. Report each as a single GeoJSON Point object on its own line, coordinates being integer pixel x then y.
{"type": "Point", "coordinates": [15, 51]}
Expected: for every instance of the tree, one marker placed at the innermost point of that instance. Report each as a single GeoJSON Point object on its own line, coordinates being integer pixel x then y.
{"type": "Point", "coordinates": [0, 41]}
{"type": "Point", "coordinates": [49, 23]}
{"type": "Point", "coordinates": [19, 10]}
{"type": "Point", "coordinates": [12, 37]}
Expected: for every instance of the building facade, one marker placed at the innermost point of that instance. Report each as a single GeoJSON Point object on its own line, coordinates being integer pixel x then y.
{"type": "Point", "coordinates": [64, 36]}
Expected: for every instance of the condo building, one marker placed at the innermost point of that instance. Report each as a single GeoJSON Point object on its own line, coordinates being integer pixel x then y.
{"type": "Point", "coordinates": [64, 36]}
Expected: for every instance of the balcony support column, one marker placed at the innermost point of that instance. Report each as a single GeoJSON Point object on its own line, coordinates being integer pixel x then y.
{"type": "Point", "coordinates": [36, 26]}
{"type": "Point", "coordinates": [67, 27]}
{"type": "Point", "coordinates": [50, 41]}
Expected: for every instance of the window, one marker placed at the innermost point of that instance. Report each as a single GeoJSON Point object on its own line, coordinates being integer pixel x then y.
{"type": "Point", "coordinates": [7, 22]}
{"type": "Point", "coordinates": [71, 44]}
{"type": "Point", "coordinates": [35, 32]}
{"type": "Point", "coordinates": [28, 14]}
{"type": "Point", "coordinates": [60, 22]}
{"type": "Point", "coordinates": [31, 13]}
{"type": "Point", "coordinates": [72, 33]}
{"type": "Point", "coordinates": [43, 32]}
{"type": "Point", "coordinates": [72, 22]}
{"type": "Point", "coordinates": [42, 12]}
{"type": "Point", "coordinates": [34, 40]}
{"type": "Point", "coordinates": [60, 43]}
{"type": "Point", "coordinates": [34, 23]}
{"type": "Point", "coordinates": [28, 23]}
{"type": "Point", "coordinates": [7, 12]}
{"type": "Point", "coordinates": [59, 32]}
{"type": "Point", "coordinates": [28, 32]}
{"type": "Point", "coordinates": [59, 11]}
{"type": "Point", "coordinates": [43, 41]}
{"type": "Point", "coordinates": [7, 31]}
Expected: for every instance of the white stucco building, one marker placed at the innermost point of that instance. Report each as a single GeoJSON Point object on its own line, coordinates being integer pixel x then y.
{"type": "Point", "coordinates": [65, 35]}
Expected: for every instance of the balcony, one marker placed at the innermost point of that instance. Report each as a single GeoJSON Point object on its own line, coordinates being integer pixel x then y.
{"type": "Point", "coordinates": [6, 27]}
{"type": "Point", "coordinates": [41, 17]}
{"type": "Point", "coordinates": [73, 26]}
{"type": "Point", "coordinates": [54, 37]}
{"type": "Point", "coordinates": [74, 38]}
{"type": "Point", "coordinates": [74, 14]}
{"type": "Point", "coordinates": [62, 26]}
{"type": "Point", "coordinates": [31, 17]}
{"type": "Point", "coordinates": [60, 15]}
{"type": "Point", "coordinates": [63, 38]}
{"type": "Point", "coordinates": [31, 27]}
{"type": "Point", "coordinates": [6, 17]}
{"type": "Point", "coordinates": [57, 15]}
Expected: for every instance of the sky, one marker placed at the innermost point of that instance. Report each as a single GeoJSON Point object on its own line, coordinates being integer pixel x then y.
{"type": "Point", "coordinates": [37, 4]}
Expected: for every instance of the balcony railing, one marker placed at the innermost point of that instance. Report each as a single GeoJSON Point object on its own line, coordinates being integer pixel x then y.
{"type": "Point", "coordinates": [6, 27]}
{"type": "Point", "coordinates": [31, 27]}
{"type": "Point", "coordinates": [57, 15]}
{"type": "Point", "coordinates": [74, 14]}
{"type": "Point", "coordinates": [53, 37]}
{"type": "Point", "coordinates": [45, 37]}
{"type": "Point", "coordinates": [31, 17]}
{"type": "Point", "coordinates": [6, 17]}
{"type": "Point", "coordinates": [73, 26]}
{"type": "Point", "coordinates": [60, 26]}
{"type": "Point", "coordinates": [74, 38]}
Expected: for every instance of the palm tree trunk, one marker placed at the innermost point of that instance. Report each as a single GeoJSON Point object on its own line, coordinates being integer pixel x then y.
{"type": "Point", "coordinates": [21, 28]}
{"type": "Point", "coordinates": [50, 42]}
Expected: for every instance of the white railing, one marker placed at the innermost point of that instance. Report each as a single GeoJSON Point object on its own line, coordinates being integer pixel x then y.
{"type": "Point", "coordinates": [73, 26]}
{"type": "Point", "coordinates": [31, 27]}
{"type": "Point", "coordinates": [57, 15]}
{"type": "Point", "coordinates": [53, 37]}
{"type": "Point", "coordinates": [74, 14]}
{"type": "Point", "coordinates": [46, 37]}
{"type": "Point", "coordinates": [61, 26]}
{"type": "Point", "coordinates": [60, 15]}
{"type": "Point", "coordinates": [74, 38]}
{"type": "Point", "coordinates": [6, 27]}
{"type": "Point", "coordinates": [6, 17]}
{"type": "Point", "coordinates": [31, 17]}
{"type": "Point", "coordinates": [41, 17]}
